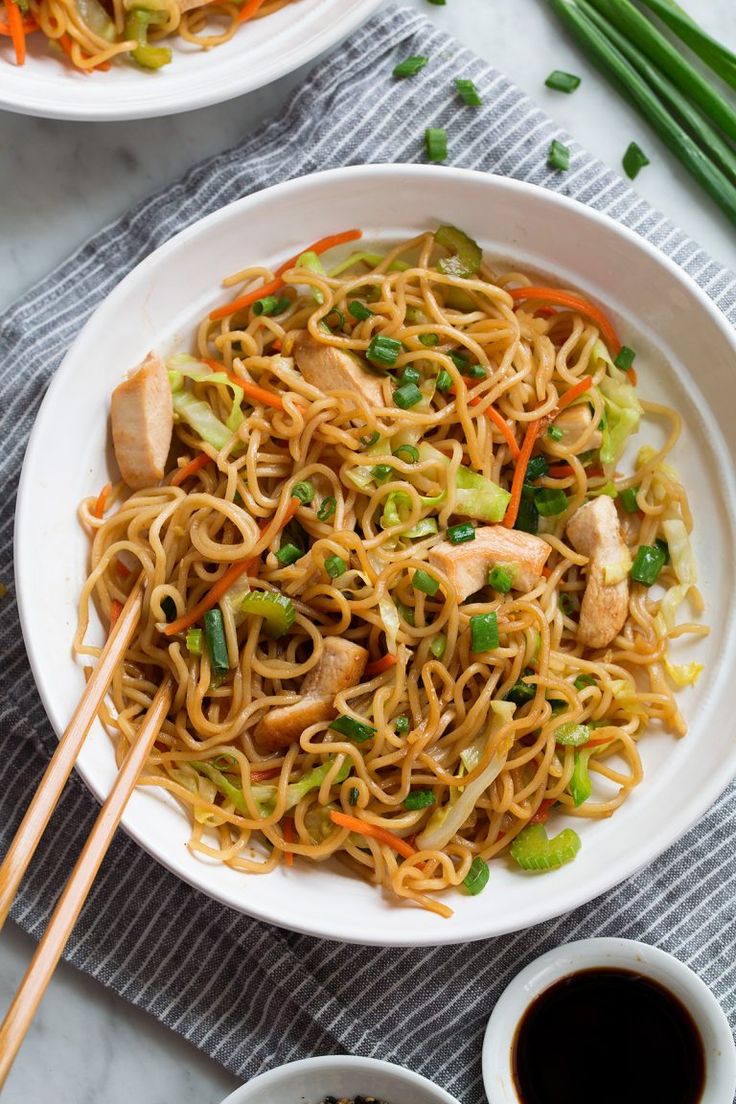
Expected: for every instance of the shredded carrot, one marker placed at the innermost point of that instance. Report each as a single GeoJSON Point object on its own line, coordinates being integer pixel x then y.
{"type": "Point", "coordinates": [116, 608]}
{"type": "Point", "coordinates": [252, 390]}
{"type": "Point", "coordinates": [17, 31]}
{"type": "Point", "coordinates": [122, 568]}
{"type": "Point", "coordinates": [385, 663]}
{"type": "Point", "coordinates": [277, 346]}
{"type": "Point", "coordinates": [545, 312]}
{"type": "Point", "coordinates": [275, 285]}
{"type": "Point", "coordinates": [262, 776]}
{"type": "Point", "coordinates": [597, 741]}
{"type": "Point", "coordinates": [499, 422]}
{"type": "Point", "coordinates": [99, 507]}
{"type": "Point", "coordinates": [288, 838]}
{"type": "Point", "coordinates": [530, 436]}
{"type": "Point", "coordinates": [225, 581]}
{"type": "Point", "coordinates": [574, 393]}
{"type": "Point", "coordinates": [573, 302]}
{"type": "Point", "coordinates": [29, 26]}
{"type": "Point", "coordinates": [191, 468]}
{"type": "Point", "coordinates": [248, 10]}
{"type": "Point", "coordinates": [542, 814]}
{"type": "Point", "coordinates": [364, 829]}
{"type": "Point", "coordinates": [633, 378]}
{"type": "Point", "coordinates": [560, 471]}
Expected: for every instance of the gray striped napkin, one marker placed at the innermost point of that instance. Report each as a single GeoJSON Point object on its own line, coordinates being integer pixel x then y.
{"type": "Point", "coordinates": [250, 995]}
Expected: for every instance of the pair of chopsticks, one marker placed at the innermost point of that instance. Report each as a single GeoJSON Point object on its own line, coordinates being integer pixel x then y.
{"type": "Point", "coordinates": [21, 851]}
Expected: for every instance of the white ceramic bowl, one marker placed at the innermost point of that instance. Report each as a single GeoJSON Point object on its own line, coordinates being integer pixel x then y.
{"type": "Point", "coordinates": [625, 954]}
{"type": "Point", "coordinates": [259, 53]}
{"type": "Point", "coordinates": [309, 1081]}
{"type": "Point", "coordinates": [158, 306]}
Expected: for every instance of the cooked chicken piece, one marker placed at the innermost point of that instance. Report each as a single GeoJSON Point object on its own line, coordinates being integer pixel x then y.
{"type": "Point", "coordinates": [594, 531]}
{"type": "Point", "coordinates": [142, 423]}
{"type": "Point", "coordinates": [466, 565]}
{"type": "Point", "coordinates": [574, 422]}
{"type": "Point", "coordinates": [332, 369]}
{"type": "Point", "coordinates": [340, 666]}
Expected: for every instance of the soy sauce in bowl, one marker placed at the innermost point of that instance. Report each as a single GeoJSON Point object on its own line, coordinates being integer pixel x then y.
{"type": "Point", "coordinates": [608, 1035]}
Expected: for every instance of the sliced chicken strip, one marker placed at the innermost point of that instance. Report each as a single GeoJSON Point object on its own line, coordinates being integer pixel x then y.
{"type": "Point", "coordinates": [466, 565]}
{"type": "Point", "coordinates": [142, 423]}
{"type": "Point", "coordinates": [332, 369]}
{"type": "Point", "coordinates": [595, 531]}
{"type": "Point", "coordinates": [340, 666]}
{"type": "Point", "coordinates": [573, 423]}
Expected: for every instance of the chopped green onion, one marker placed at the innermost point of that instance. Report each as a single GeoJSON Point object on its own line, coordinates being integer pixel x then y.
{"type": "Point", "coordinates": [383, 350]}
{"type": "Point", "coordinates": [335, 566]}
{"type": "Point", "coordinates": [406, 612]}
{"type": "Point", "coordinates": [353, 795]}
{"type": "Point", "coordinates": [625, 358]}
{"type": "Point", "coordinates": [476, 371]}
{"type": "Point", "coordinates": [359, 310]}
{"type": "Point", "coordinates": [168, 608]}
{"type": "Point", "coordinates": [410, 453]}
{"type": "Point", "coordinates": [272, 304]}
{"type": "Point", "coordinates": [555, 433]}
{"type": "Point", "coordinates": [436, 137]}
{"type": "Point", "coordinates": [354, 730]}
{"type": "Point", "coordinates": [484, 632]}
{"type": "Point", "coordinates": [459, 534]}
{"type": "Point", "coordinates": [407, 396]}
{"type": "Point", "coordinates": [582, 681]}
{"type": "Point", "coordinates": [648, 562]}
{"type": "Point", "coordinates": [664, 547]}
{"type": "Point", "coordinates": [527, 520]}
{"type": "Point", "coordinates": [550, 502]}
{"type": "Point", "coordinates": [419, 799]}
{"type": "Point", "coordinates": [369, 442]}
{"type": "Point", "coordinates": [444, 380]}
{"type": "Point", "coordinates": [304, 491]}
{"type": "Point", "coordinates": [327, 508]}
{"type": "Point", "coordinates": [410, 66]}
{"type": "Point", "coordinates": [501, 578]}
{"type": "Point", "coordinates": [410, 375]}
{"type": "Point", "coordinates": [459, 359]}
{"type": "Point", "coordinates": [522, 692]}
{"type": "Point", "coordinates": [536, 468]}
{"type": "Point", "coordinates": [339, 317]}
{"type": "Point", "coordinates": [276, 609]}
{"type": "Point", "coordinates": [382, 472]}
{"type": "Point", "coordinates": [476, 880]}
{"type": "Point", "coordinates": [422, 580]}
{"type": "Point", "coordinates": [557, 705]}
{"type": "Point", "coordinates": [716, 56]}
{"type": "Point", "coordinates": [562, 82]}
{"type": "Point", "coordinates": [438, 646]}
{"type": "Point", "coordinates": [533, 850]}
{"type": "Point", "coordinates": [288, 554]}
{"type": "Point", "coordinates": [401, 725]}
{"type": "Point", "coordinates": [468, 92]}
{"type": "Point", "coordinates": [581, 786]}
{"type": "Point", "coordinates": [572, 735]}
{"type": "Point", "coordinates": [429, 339]}
{"type": "Point", "coordinates": [558, 156]}
{"type": "Point", "coordinates": [634, 160]}
{"type": "Point", "coordinates": [567, 603]}
{"type": "Point", "coordinates": [214, 634]}
{"type": "Point", "coordinates": [628, 500]}
{"type": "Point", "coordinates": [194, 641]}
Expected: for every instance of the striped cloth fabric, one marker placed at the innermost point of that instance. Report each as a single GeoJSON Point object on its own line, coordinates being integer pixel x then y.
{"type": "Point", "coordinates": [249, 995]}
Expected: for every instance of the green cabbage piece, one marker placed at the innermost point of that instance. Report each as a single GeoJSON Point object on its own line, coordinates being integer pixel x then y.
{"type": "Point", "coordinates": [265, 796]}
{"type": "Point", "coordinates": [183, 365]}
{"type": "Point", "coordinates": [623, 413]}
{"type": "Point", "coordinates": [475, 496]}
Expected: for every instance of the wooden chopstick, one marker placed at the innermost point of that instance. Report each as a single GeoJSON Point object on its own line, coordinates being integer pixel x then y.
{"type": "Point", "coordinates": [47, 794]}
{"type": "Point", "coordinates": [48, 952]}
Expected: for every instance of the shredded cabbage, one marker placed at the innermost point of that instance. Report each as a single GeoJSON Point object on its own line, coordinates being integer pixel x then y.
{"type": "Point", "coordinates": [623, 413]}
{"type": "Point", "coordinates": [683, 564]}
{"type": "Point", "coordinates": [391, 622]}
{"type": "Point", "coordinates": [183, 365]}
{"type": "Point", "coordinates": [199, 415]}
{"type": "Point", "coordinates": [683, 674]}
{"type": "Point", "coordinates": [475, 496]}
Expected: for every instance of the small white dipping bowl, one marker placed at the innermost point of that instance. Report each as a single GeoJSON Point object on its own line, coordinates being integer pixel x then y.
{"type": "Point", "coordinates": [310, 1081]}
{"type": "Point", "coordinates": [623, 954]}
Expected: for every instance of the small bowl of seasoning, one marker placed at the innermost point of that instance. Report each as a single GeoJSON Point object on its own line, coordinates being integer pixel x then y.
{"type": "Point", "coordinates": [340, 1079]}
{"type": "Point", "coordinates": [608, 1020]}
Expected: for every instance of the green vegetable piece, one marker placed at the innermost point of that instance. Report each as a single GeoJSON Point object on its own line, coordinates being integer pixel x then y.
{"type": "Point", "coordinates": [422, 580]}
{"type": "Point", "coordinates": [406, 612]}
{"type": "Point", "coordinates": [468, 93]}
{"type": "Point", "coordinates": [444, 380]}
{"type": "Point", "coordinates": [194, 641]}
{"type": "Point", "coordinates": [625, 358]}
{"type": "Point", "coordinates": [383, 350]}
{"type": "Point", "coordinates": [214, 634]}
{"type": "Point", "coordinates": [276, 609]}
{"type": "Point", "coordinates": [136, 27]}
{"type": "Point", "coordinates": [466, 256]}
{"type": "Point", "coordinates": [459, 359]}
{"type": "Point", "coordinates": [580, 785]}
{"type": "Point", "coordinates": [168, 608]}
{"type": "Point", "coordinates": [359, 310]}
{"type": "Point", "coordinates": [501, 578]}
{"type": "Point", "coordinates": [537, 467]}
{"type": "Point", "coordinates": [558, 156]}
{"type": "Point", "coordinates": [327, 508]}
{"type": "Point", "coordinates": [410, 375]}
{"type": "Point", "coordinates": [354, 730]}
{"type": "Point", "coordinates": [476, 880]}
{"type": "Point", "coordinates": [410, 66]}
{"type": "Point", "coordinates": [555, 433]}
{"type": "Point", "coordinates": [634, 160]}
{"type": "Point", "coordinates": [484, 632]}
{"type": "Point", "coordinates": [419, 799]}
{"type": "Point", "coordinates": [369, 442]}
{"type": "Point", "coordinates": [582, 681]}
{"type": "Point", "coordinates": [459, 534]}
{"type": "Point", "coordinates": [572, 735]}
{"type": "Point", "coordinates": [304, 491]}
{"type": "Point", "coordinates": [401, 725]}
{"type": "Point", "coordinates": [533, 850]}
{"type": "Point", "coordinates": [353, 796]}
{"type": "Point", "coordinates": [408, 453]}
{"type": "Point", "coordinates": [715, 55]}
{"type": "Point", "coordinates": [429, 339]}
{"type": "Point", "coordinates": [288, 554]}
{"type": "Point", "coordinates": [648, 562]}
{"type": "Point", "coordinates": [664, 548]}
{"type": "Point", "coordinates": [628, 500]}
{"type": "Point", "coordinates": [382, 472]}
{"type": "Point", "coordinates": [335, 566]}
{"type": "Point", "coordinates": [522, 691]}
{"type": "Point", "coordinates": [272, 304]}
{"type": "Point", "coordinates": [310, 260]}
{"type": "Point", "coordinates": [550, 502]}
{"type": "Point", "coordinates": [438, 646]}
{"type": "Point", "coordinates": [568, 603]}
{"type": "Point", "coordinates": [562, 82]}
{"type": "Point", "coordinates": [436, 138]}
{"type": "Point", "coordinates": [407, 396]}
{"type": "Point", "coordinates": [527, 520]}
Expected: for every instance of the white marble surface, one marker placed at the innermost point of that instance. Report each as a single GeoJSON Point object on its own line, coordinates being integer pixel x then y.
{"type": "Point", "coordinates": [60, 183]}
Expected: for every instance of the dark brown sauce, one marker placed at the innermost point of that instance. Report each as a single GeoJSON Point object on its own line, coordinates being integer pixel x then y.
{"type": "Point", "coordinates": [609, 1036]}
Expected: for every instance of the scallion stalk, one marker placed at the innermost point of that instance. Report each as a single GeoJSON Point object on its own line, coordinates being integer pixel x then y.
{"type": "Point", "coordinates": [716, 56]}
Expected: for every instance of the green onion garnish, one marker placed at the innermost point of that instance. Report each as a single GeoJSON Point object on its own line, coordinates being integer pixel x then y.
{"type": "Point", "coordinates": [410, 66]}
{"type": "Point", "coordinates": [438, 646]}
{"type": "Point", "coordinates": [335, 566]}
{"type": "Point", "coordinates": [407, 396]}
{"type": "Point", "coordinates": [194, 641]}
{"type": "Point", "coordinates": [582, 681]}
{"type": "Point", "coordinates": [382, 472]}
{"type": "Point", "coordinates": [359, 310]}
{"type": "Point", "coordinates": [401, 725]}
{"type": "Point", "coordinates": [628, 500]}
{"type": "Point", "coordinates": [406, 612]}
{"type": "Point", "coordinates": [501, 578]}
{"type": "Point", "coordinates": [634, 160]}
{"type": "Point", "coordinates": [369, 442]}
{"type": "Point", "coordinates": [288, 554]}
{"type": "Point", "coordinates": [483, 632]}
{"type": "Point", "coordinates": [327, 508]}
{"type": "Point", "coordinates": [383, 350]}
{"type": "Point", "coordinates": [550, 502]}
{"type": "Point", "coordinates": [409, 453]}
{"type": "Point", "coordinates": [459, 359]}
{"type": "Point", "coordinates": [459, 534]}
{"type": "Point", "coordinates": [567, 603]}
{"type": "Point", "coordinates": [419, 799]}
{"type": "Point", "coordinates": [444, 380]}
{"type": "Point", "coordinates": [476, 371]}
{"type": "Point", "coordinates": [558, 156]}
{"type": "Point", "coordinates": [354, 730]}
{"type": "Point", "coordinates": [562, 82]}
{"type": "Point", "coordinates": [353, 795]}
{"type": "Point", "coordinates": [410, 375]}
{"type": "Point", "coordinates": [429, 339]}
{"type": "Point", "coordinates": [214, 634]}
{"type": "Point", "coordinates": [522, 692]}
{"type": "Point", "coordinates": [527, 520]}
{"type": "Point", "coordinates": [422, 580]}
{"type": "Point", "coordinates": [555, 433]}
{"type": "Point", "coordinates": [648, 562]}
{"type": "Point", "coordinates": [476, 880]}
{"type": "Point", "coordinates": [468, 92]}
{"type": "Point", "coordinates": [536, 468]}
{"type": "Point", "coordinates": [304, 491]}
{"type": "Point", "coordinates": [625, 358]}
{"type": "Point", "coordinates": [272, 304]}
{"type": "Point", "coordinates": [435, 137]}
{"type": "Point", "coordinates": [664, 547]}
{"type": "Point", "coordinates": [168, 608]}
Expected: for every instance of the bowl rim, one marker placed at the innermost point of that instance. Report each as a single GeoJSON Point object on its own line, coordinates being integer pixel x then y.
{"type": "Point", "coordinates": [615, 952]}
{"type": "Point", "coordinates": [669, 829]}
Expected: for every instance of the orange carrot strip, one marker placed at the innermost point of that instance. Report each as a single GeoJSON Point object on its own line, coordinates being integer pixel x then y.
{"type": "Point", "coordinates": [512, 510]}
{"type": "Point", "coordinates": [116, 608]}
{"type": "Point", "coordinates": [252, 390]}
{"type": "Point", "coordinates": [191, 468]}
{"type": "Point", "coordinates": [385, 663]}
{"type": "Point", "coordinates": [542, 814]}
{"type": "Point", "coordinates": [560, 471]}
{"type": "Point", "coordinates": [503, 426]}
{"type": "Point", "coordinates": [225, 581]}
{"type": "Point", "coordinates": [248, 10]}
{"type": "Point", "coordinates": [275, 285]}
{"type": "Point", "coordinates": [17, 31]}
{"type": "Point", "coordinates": [597, 741]}
{"type": "Point", "coordinates": [573, 302]}
{"type": "Point", "coordinates": [289, 838]}
{"type": "Point", "coordinates": [633, 378]}
{"type": "Point", "coordinates": [574, 393]}
{"type": "Point", "coordinates": [99, 507]}
{"type": "Point", "coordinates": [29, 26]}
{"type": "Point", "coordinates": [365, 829]}
{"type": "Point", "coordinates": [122, 568]}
